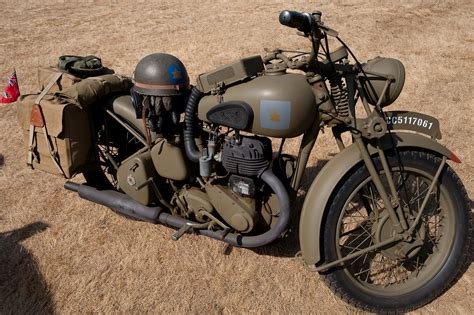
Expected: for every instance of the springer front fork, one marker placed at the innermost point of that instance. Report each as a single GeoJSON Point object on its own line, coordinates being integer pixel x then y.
{"type": "Point", "coordinates": [394, 206]}
{"type": "Point", "coordinates": [376, 127]}
{"type": "Point", "coordinates": [373, 127]}
{"type": "Point", "coordinates": [396, 216]}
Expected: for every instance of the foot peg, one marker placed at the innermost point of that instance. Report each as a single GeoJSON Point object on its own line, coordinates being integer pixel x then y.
{"type": "Point", "coordinates": [186, 228]}
{"type": "Point", "coordinates": [177, 235]}
{"type": "Point", "coordinates": [223, 233]}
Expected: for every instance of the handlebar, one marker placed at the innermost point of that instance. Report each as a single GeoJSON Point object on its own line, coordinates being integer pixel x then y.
{"type": "Point", "coordinates": [312, 27]}
{"type": "Point", "coordinates": [302, 21]}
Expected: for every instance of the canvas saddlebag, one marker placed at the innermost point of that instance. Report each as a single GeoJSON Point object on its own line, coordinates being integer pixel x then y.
{"type": "Point", "coordinates": [55, 123]}
{"type": "Point", "coordinates": [57, 134]}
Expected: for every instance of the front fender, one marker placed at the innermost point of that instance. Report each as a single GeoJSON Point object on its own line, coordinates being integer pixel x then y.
{"type": "Point", "coordinates": [315, 204]}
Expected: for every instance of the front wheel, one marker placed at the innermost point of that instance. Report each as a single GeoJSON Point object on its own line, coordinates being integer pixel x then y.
{"type": "Point", "coordinates": [409, 274]}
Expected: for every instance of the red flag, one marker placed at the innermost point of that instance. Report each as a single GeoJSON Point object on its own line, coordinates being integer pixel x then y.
{"type": "Point", "coordinates": [12, 91]}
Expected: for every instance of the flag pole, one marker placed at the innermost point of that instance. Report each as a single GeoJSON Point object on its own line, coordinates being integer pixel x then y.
{"type": "Point", "coordinates": [17, 82]}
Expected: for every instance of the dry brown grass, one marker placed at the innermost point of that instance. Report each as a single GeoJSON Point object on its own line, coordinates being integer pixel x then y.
{"type": "Point", "coordinates": [90, 260]}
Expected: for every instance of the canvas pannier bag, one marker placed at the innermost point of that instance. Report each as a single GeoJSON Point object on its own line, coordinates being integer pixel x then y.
{"type": "Point", "coordinates": [63, 145]}
{"type": "Point", "coordinates": [57, 127]}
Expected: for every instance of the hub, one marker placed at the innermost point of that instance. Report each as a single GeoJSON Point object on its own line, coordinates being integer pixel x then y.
{"type": "Point", "coordinates": [383, 230]}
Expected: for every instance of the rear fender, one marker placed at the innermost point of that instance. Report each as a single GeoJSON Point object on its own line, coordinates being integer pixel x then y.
{"type": "Point", "coordinates": [320, 192]}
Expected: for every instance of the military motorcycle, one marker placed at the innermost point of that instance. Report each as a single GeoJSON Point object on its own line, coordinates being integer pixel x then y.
{"type": "Point", "coordinates": [386, 222]}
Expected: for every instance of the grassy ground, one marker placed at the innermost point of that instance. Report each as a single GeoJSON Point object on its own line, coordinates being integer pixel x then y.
{"type": "Point", "coordinates": [59, 253]}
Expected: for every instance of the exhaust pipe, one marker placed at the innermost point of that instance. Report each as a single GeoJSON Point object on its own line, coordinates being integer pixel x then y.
{"type": "Point", "coordinates": [126, 205]}
{"type": "Point", "coordinates": [116, 201]}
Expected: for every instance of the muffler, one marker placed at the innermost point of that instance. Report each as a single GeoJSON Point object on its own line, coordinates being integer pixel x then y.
{"type": "Point", "coordinates": [116, 201]}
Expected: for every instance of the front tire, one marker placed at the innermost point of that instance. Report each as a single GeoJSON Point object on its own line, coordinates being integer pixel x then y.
{"type": "Point", "coordinates": [381, 280]}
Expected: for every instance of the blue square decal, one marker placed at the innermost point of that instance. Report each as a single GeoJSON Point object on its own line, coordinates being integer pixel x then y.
{"type": "Point", "coordinates": [275, 114]}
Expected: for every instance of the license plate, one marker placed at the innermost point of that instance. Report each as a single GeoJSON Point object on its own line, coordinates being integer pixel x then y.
{"type": "Point", "coordinates": [418, 122]}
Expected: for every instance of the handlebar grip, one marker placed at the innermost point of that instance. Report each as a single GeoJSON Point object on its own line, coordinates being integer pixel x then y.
{"type": "Point", "coordinates": [301, 21]}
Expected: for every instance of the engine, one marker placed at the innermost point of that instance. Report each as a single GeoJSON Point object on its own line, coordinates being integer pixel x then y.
{"type": "Point", "coordinates": [245, 158]}
{"type": "Point", "coordinates": [233, 192]}
{"type": "Point", "coordinates": [248, 156]}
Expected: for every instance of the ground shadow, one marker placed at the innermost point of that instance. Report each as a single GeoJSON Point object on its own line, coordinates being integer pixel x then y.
{"type": "Point", "coordinates": [471, 249]}
{"type": "Point", "coordinates": [23, 289]}
{"type": "Point", "coordinates": [289, 245]}
{"type": "Point", "coordinates": [2, 160]}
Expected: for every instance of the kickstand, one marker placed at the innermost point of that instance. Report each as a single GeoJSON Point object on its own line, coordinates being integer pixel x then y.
{"type": "Point", "coordinates": [227, 249]}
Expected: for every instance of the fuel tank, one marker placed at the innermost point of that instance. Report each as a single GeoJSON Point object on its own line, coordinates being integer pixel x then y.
{"type": "Point", "coordinates": [283, 105]}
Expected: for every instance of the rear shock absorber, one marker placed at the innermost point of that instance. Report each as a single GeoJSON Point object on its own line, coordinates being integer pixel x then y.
{"type": "Point", "coordinates": [339, 94]}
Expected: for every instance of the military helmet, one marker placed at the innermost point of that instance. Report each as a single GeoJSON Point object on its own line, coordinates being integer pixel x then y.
{"type": "Point", "coordinates": [160, 74]}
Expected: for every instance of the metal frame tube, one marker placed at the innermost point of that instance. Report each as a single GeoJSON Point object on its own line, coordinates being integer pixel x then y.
{"type": "Point", "coordinates": [307, 144]}
{"type": "Point", "coordinates": [358, 253]}
{"type": "Point", "coordinates": [378, 182]}
{"type": "Point", "coordinates": [391, 184]}
{"type": "Point", "coordinates": [129, 129]}
{"type": "Point", "coordinates": [425, 200]}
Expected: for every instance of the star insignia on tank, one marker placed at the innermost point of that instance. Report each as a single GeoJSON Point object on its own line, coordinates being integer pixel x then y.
{"type": "Point", "coordinates": [274, 116]}
{"type": "Point", "coordinates": [176, 74]}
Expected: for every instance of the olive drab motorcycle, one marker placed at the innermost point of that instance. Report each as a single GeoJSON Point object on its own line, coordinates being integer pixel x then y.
{"type": "Point", "coordinates": [386, 222]}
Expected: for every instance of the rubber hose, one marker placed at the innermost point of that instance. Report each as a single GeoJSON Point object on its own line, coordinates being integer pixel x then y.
{"type": "Point", "coordinates": [192, 152]}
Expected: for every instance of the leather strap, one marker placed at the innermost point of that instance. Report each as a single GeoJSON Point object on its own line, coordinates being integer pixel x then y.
{"type": "Point", "coordinates": [37, 121]}
{"type": "Point", "coordinates": [48, 87]}
{"type": "Point", "coordinates": [36, 118]}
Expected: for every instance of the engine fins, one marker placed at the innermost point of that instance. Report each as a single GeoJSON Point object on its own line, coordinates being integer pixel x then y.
{"type": "Point", "coordinates": [250, 157]}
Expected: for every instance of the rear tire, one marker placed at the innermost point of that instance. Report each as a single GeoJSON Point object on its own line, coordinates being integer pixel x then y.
{"type": "Point", "coordinates": [112, 140]}
{"type": "Point", "coordinates": [377, 281]}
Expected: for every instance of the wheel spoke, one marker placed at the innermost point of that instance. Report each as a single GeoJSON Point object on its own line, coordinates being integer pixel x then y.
{"type": "Point", "coordinates": [354, 249]}
{"type": "Point", "coordinates": [358, 228]}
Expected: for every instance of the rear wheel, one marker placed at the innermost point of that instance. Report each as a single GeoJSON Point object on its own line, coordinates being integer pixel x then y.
{"type": "Point", "coordinates": [405, 275]}
{"type": "Point", "coordinates": [113, 144]}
